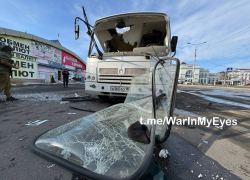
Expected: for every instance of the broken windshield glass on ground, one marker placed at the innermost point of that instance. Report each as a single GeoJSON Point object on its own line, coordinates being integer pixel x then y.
{"type": "Point", "coordinates": [99, 143]}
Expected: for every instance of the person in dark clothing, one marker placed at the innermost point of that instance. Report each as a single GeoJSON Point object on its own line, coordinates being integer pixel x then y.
{"type": "Point", "coordinates": [65, 77]}
{"type": "Point", "coordinates": [6, 65]}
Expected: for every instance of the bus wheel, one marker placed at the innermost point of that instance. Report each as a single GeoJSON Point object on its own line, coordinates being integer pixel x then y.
{"type": "Point", "coordinates": [104, 98]}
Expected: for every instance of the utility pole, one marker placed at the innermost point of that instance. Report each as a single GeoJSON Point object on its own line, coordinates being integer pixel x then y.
{"type": "Point", "coordinates": [225, 79]}
{"type": "Point", "coordinates": [195, 59]}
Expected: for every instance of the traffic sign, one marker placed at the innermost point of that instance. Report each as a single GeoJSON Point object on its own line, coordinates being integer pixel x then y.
{"type": "Point", "coordinates": [229, 69]}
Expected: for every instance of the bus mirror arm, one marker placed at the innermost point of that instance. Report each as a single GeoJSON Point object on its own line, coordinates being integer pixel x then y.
{"type": "Point", "coordinates": [89, 32]}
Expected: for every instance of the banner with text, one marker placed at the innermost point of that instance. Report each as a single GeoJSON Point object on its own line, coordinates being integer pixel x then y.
{"type": "Point", "coordinates": [46, 52]}
{"type": "Point", "coordinates": [21, 45]}
{"type": "Point", "coordinates": [70, 60]}
{"type": "Point", "coordinates": [28, 69]}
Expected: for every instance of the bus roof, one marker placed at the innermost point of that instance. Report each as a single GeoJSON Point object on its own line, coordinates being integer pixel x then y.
{"type": "Point", "coordinates": [133, 14]}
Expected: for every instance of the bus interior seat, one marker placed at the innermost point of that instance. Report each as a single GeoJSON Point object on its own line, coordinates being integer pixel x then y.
{"type": "Point", "coordinates": [153, 37]}
{"type": "Point", "coordinates": [118, 41]}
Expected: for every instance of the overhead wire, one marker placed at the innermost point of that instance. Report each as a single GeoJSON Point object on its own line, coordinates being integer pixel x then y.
{"type": "Point", "coordinates": [224, 40]}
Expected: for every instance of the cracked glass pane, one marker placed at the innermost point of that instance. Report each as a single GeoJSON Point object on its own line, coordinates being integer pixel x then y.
{"type": "Point", "coordinates": [164, 85]}
{"type": "Point", "coordinates": [99, 142]}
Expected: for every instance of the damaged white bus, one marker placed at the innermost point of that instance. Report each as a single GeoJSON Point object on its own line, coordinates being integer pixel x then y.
{"type": "Point", "coordinates": [130, 42]}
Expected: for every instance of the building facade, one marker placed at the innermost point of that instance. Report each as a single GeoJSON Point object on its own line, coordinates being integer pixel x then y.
{"type": "Point", "coordinates": [204, 76]}
{"type": "Point", "coordinates": [239, 77]}
{"type": "Point", "coordinates": [39, 59]}
{"type": "Point", "coordinates": [214, 78]}
{"type": "Point", "coordinates": [186, 74]}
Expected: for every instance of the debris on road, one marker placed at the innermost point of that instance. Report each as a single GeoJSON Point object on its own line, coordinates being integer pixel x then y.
{"type": "Point", "coordinates": [78, 99]}
{"type": "Point", "coordinates": [198, 164]}
{"type": "Point", "coordinates": [205, 141]}
{"type": "Point", "coordinates": [76, 95]}
{"type": "Point", "coordinates": [64, 102]}
{"type": "Point", "coordinates": [52, 165]}
{"type": "Point", "coordinates": [189, 126]}
{"type": "Point", "coordinates": [164, 153]}
{"type": "Point", "coordinates": [219, 127]}
{"type": "Point", "coordinates": [200, 176]}
{"type": "Point", "coordinates": [35, 123]}
{"type": "Point", "coordinates": [192, 171]}
{"type": "Point", "coordinates": [89, 110]}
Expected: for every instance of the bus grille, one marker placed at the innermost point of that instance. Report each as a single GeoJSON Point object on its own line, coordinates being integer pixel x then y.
{"type": "Point", "coordinates": [111, 76]}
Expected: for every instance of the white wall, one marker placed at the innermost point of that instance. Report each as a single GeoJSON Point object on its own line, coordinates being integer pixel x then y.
{"type": "Point", "coordinates": [42, 70]}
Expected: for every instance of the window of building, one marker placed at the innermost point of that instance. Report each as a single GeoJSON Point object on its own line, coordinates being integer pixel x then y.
{"type": "Point", "coordinates": [189, 73]}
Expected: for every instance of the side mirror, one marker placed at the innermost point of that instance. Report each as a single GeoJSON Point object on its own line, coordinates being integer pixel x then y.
{"type": "Point", "coordinates": [77, 32]}
{"type": "Point", "coordinates": [174, 43]}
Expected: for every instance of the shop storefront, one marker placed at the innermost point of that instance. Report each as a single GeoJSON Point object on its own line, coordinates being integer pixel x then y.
{"type": "Point", "coordinates": [74, 65]}
{"type": "Point", "coordinates": [39, 59]}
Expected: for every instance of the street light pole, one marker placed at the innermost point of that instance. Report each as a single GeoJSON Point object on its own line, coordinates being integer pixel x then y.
{"type": "Point", "coordinates": [195, 59]}
{"type": "Point", "coordinates": [194, 66]}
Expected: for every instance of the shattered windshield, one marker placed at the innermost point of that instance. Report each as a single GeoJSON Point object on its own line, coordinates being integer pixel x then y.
{"type": "Point", "coordinates": [100, 141]}
{"type": "Point", "coordinates": [126, 33]}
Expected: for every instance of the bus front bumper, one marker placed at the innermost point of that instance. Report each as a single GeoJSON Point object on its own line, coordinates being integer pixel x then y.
{"type": "Point", "coordinates": [93, 88]}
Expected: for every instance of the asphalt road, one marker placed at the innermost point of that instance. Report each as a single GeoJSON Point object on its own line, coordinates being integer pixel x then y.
{"type": "Point", "coordinates": [187, 159]}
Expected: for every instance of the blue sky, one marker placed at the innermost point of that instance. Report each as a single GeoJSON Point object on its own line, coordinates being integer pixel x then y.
{"type": "Point", "coordinates": [224, 25]}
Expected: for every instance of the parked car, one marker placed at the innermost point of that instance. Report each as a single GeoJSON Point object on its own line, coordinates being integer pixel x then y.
{"type": "Point", "coordinates": [187, 82]}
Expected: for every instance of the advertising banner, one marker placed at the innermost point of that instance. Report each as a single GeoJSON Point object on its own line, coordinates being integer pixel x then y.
{"type": "Point", "coordinates": [22, 57]}
{"type": "Point", "coordinates": [57, 56]}
{"type": "Point", "coordinates": [70, 60]}
{"type": "Point", "coordinates": [47, 53]}
{"type": "Point", "coordinates": [70, 68]}
{"type": "Point", "coordinates": [21, 45]}
{"type": "Point", "coordinates": [42, 51]}
{"type": "Point", "coordinates": [28, 69]}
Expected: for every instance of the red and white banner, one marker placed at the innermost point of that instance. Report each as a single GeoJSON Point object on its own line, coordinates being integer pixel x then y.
{"type": "Point", "coordinates": [70, 60]}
